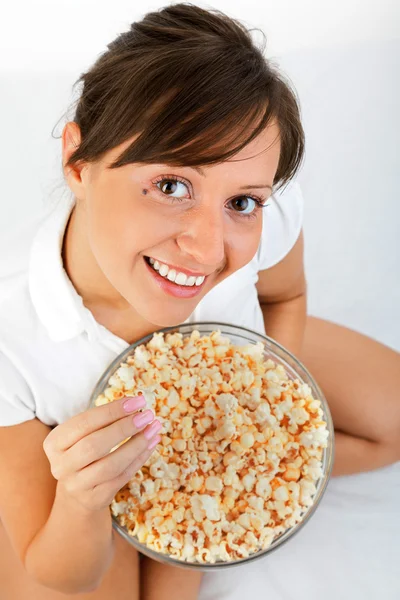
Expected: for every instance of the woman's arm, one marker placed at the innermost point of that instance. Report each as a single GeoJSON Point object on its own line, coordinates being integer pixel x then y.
{"type": "Point", "coordinates": [282, 296]}
{"type": "Point", "coordinates": [61, 546]}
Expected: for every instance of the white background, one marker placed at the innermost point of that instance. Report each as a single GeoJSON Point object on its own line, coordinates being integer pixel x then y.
{"type": "Point", "coordinates": [342, 56]}
{"type": "Point", "coordinates": [68, 34]}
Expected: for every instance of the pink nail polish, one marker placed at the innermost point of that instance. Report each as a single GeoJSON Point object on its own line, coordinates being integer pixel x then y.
{"type": "Point", "coordinates": [143, 418]}
{"type": "Point", "coordinates": [154, 442]}
{"type": "Point", "coordinates": [134, 403]}
{"type": "Point", "coordinates": [152, 429]}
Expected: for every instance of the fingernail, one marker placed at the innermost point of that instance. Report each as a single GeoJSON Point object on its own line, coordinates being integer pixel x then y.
{"type": "Point", "coordinates": [154, 442]}
{"type": "Point", "coordinates": [134, 403]}
{"type": "Point", "coordinates": [152, 429]}
{"type": "Point", "coordinates": [143, 418]}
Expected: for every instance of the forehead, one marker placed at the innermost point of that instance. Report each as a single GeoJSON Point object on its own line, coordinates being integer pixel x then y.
{"type": "Point", "coordinates": [259, 155]}
{"type": "Point", "coordinates": [261, 152]}
{"type": "Point", "coordinates": [268, 141]}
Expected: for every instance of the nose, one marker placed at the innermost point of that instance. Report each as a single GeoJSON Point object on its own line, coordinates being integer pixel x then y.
{"type": "Point", "coordinates": [203, 238]}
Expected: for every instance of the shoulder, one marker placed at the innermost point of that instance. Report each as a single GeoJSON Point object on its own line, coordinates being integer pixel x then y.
{"type": "Point", "coordinates": [17, 326]}
{"type": "Point", "coordinates": [17, 401]}
{"type": "Point", "coordinates": [18, 340]}
{"type": "Point", "coordinates": [282, 223]}
{"type": "Point", "coordinates": [20, 329]}
{"type": "Point", "coordinates": [16, 307]}
{"type": "Point", "coordinates": [17, 314]}
{"type": "Point", "coordinates": [15, 246]}
{"type": "Point", "coordinates": [19, 322]}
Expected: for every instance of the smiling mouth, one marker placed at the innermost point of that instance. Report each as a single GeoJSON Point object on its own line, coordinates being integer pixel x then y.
{"type": "Point", "coordinates": [173, 275]}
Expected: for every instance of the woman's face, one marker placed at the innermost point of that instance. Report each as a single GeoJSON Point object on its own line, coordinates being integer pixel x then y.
{"type": "Point", "coordinates": [164, 236]}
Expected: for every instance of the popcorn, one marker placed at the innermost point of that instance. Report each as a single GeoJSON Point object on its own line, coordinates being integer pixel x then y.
{"type": "Point", "coordinates": [247, 440]}
{"type": "Point", "coordinates": [263, 487]}
{"type": "Point", "coordinates": [315, 437]}
{"type": "Point", "coordinates": [214, 484]}
{"type": "Point", "coordinates": [240, 453]}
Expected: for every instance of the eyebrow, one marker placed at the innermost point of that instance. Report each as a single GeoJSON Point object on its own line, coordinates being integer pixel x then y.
{"type": "Point", "coordinates": [244, 187]}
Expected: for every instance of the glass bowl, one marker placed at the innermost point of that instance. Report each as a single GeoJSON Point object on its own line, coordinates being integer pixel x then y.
{"type": "Point", "coordinates": [295, 370]}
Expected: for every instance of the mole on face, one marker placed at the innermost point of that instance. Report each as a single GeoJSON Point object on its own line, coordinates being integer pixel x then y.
{"type": "Point", "coordinates": [145, 192]}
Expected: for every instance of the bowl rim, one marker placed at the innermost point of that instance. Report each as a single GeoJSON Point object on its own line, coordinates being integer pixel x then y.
{"type": "Point", "coordinates": [327, 459]}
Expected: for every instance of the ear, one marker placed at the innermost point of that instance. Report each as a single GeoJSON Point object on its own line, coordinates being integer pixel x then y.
{"type": "Point", "coordinates": [71, 139]}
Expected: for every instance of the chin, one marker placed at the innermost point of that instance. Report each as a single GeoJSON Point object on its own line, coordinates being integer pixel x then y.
{"type": "Point", "coordinates": [162, 317]}
{"type": "Point", "coordinates": [162, 321]}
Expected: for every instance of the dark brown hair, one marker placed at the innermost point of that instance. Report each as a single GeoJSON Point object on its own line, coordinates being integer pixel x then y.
{"type": "Point", "coordinates": [195, 87]}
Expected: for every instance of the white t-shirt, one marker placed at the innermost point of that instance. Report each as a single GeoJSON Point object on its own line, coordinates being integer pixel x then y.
{"type": "Point", "coordinates": [53, 351]}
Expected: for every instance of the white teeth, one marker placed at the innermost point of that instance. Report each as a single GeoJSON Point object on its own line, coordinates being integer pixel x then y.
{"type": "Point", "coordinates": [163, 270]}
{"type": "Point", "coordinates": [171, 275]}
{"type": "Point", "coordinates": [176, 276]}
{"type": "Point", "coordinates": [181, 278]}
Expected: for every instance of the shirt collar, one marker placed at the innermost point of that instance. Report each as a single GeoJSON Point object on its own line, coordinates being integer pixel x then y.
{"type": "Point", "coordinates": [56, 301]}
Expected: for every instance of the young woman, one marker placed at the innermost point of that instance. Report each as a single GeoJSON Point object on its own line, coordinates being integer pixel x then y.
{"type": "Point", "coordinates": [181, 159]}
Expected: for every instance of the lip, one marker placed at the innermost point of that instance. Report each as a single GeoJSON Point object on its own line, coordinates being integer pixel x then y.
{"type": "Point", "coordinates": [173, 289]}
{"type": "Point", "coordinates": [180, 269]}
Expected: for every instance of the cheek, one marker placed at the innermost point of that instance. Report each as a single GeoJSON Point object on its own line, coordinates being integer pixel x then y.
{"type": "Point", "coordinates": [243, 245]}
{"type": "Point", "coordinates": [121, 227]}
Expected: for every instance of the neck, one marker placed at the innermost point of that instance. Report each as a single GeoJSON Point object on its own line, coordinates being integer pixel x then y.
{"type": "Point", "coordinates": [108, 307]}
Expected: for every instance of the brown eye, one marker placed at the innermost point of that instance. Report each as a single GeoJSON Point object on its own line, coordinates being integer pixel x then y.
{"type": "Point", "coordinates": [170, 185]}
{"type": "Point", "coordinates": [244, 204]}
{"type": "Point", "coordinates": [241, 204]}
{"type": "Point", "coordinates": [166, 187]}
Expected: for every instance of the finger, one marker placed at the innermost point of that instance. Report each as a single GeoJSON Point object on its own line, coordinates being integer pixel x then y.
{"type": "Point", "coordinates": [99, 443]}
{"type": "Point", "coordinates": [107, 490]}
{"type": "Point", "coordinates": [78, 427]}
{"type": "Point", "coordinates": [118, 461]}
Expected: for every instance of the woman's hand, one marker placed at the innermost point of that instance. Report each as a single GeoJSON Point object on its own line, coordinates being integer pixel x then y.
{"type": "Point", "coordinates": [79, 450]}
